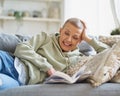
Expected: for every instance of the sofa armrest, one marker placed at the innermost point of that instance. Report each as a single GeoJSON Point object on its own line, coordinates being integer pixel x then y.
{"type": "Point", "coordinates": [8, 42]}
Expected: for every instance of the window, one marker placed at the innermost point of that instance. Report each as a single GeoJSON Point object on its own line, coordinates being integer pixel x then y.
{"type": "Point", "coordinates": [96, 13]}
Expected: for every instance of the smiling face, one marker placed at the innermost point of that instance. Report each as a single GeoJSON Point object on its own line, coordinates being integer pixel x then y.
{"type": "Point", "coordinates": [70, 36]}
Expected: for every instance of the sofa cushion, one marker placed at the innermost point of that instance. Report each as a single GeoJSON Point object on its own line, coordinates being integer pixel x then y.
{"type": "Point", "coordinates": [86, 49]}
{"type": "Point", "coordinates": [105, 65]}
{"type": "Point", "coordinates": [8, 42]}
{"type": "Point", "coordinates": [79, 89]}
{"type": "Point", "coordinates": [116, 78]}
{"type": "Point", "coordinates": [109, 40]}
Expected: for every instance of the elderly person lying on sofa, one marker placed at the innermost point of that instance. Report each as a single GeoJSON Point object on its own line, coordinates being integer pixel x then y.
{"type": "Point", "coordinates": [43, 54]}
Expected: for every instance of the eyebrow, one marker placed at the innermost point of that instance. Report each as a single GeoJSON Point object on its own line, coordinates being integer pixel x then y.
{"type": "Point", "coordinates": [68, 29]}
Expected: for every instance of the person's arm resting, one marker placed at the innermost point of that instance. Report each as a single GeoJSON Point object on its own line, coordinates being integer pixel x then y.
{"type": "Point", "coordinates": [97, 45]}
{"type": "Point", "coordinates": [28, 51]}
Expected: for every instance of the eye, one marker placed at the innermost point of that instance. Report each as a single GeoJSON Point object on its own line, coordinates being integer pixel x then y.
{"type": "Point", "coordinates": [76, 38]}
{"type": "Point", "coordinates": [67, 33]}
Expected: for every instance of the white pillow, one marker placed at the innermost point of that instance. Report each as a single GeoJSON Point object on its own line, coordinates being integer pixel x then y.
{"type": "Point", "coordinates": [116, 78]}
{"type": "Point", "coordinates": [104, 65]}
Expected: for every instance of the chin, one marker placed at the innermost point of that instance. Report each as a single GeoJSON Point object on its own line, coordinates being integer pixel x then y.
{"type": "Point", "coordinates": [66, 50]}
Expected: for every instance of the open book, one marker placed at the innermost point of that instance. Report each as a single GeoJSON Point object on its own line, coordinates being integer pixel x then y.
{"type": "Point", "coordinates": [60, 77]}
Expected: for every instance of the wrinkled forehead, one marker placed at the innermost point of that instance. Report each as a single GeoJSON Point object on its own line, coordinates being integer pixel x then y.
{"type": "Point", "coordinates": [71, 28]}
{"type": "Point", "coordinates": [75, 22]}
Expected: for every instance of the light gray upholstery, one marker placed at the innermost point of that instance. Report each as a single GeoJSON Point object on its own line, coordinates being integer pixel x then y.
{"type": "Point", "coordinates": [8, 42]}
{"type": "Point", "coordinates": [86, 49]}
{"type": "Point", "coordinates": [81, 89]}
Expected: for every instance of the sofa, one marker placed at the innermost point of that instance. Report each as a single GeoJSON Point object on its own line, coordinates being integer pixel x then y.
{"type": "Point", "coordinates": [8, 43]}
{"type": "Point", "coordinates": [81, 89]}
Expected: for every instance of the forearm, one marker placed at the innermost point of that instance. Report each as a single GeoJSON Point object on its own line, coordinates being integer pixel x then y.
{"type": "Point", "coordinates": [97, 45]}
{"type": "Point", "coordinates": [27, 53]}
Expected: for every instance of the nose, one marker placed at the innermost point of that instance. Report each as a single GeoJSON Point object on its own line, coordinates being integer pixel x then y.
{"type": "Point", "coordinates": [69, 39]}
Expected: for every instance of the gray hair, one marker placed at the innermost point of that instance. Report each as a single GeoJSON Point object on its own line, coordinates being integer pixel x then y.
{"type": "Point", "coordinates": [76, 22]}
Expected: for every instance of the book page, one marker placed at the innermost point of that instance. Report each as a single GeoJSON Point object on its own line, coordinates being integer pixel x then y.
{"type": "Point", "coordinates": [59, 80]}
{"type": "Point", "coordinates": [59, 77]}
{"type": "Point", "coordinates": [81, 74]}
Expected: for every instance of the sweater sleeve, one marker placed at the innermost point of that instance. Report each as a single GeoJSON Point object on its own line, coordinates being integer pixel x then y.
{"type": "Point", "coordinates": [98, 46]}
{"type": "Point", "coordinates": [28, 51]}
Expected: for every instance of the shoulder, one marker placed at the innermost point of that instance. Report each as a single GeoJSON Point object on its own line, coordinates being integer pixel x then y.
{"type": "Point", "coordinates": [41, 36]}
{"type": "Point", "coordinates": [45, 37]}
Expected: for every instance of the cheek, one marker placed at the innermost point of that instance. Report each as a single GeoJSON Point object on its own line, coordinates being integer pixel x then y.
{"type": "Point", "coordinates": [76, 42]}
{"type": "Point", "coordinates": [62, 38]}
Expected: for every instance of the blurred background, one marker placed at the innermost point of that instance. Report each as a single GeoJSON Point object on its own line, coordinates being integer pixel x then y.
{"type": "Point", "coordinates": [29, 17]}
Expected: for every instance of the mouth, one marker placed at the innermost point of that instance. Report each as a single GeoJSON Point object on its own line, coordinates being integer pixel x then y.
{"type": "Point", "coordinates": [67, 44]}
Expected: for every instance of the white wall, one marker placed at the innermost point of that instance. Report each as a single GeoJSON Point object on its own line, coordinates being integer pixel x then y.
{"type": "Point", "coordinates": [96, 13]}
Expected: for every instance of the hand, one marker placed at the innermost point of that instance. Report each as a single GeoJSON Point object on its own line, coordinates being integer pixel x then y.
{"type": "Point", "coordinates": [84, 34]}
{"type": "Point", "coordinates": [51, 71]}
